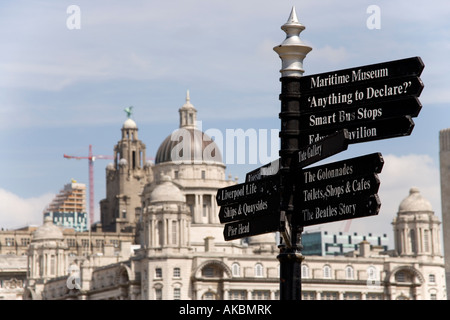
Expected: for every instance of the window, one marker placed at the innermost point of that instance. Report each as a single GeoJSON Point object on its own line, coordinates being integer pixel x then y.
{"type": "Point", "coordinates": [174, 232]}
{"type": "Point", "coordinates": [400, 276]}
{"type": "Point", "coordinates": [308, 295]}
{"type": "Point", "coordinates": [329, 296]}
{"type": "Point", "coordinates": [208, 272]}
{"type": "Point", "coordinates": [85, 243]}
{"type": "Point", "coordinates": [260, 295]}
{"type": "Point", "coordinates": [52, 264]}
{"type": "Point", "coordinates": [176, 174]}
{"type": "Point", "coordinates": [158, 293]}
{"type": "Point", "coordinates": [203, 174]}
{"type": "Point", "coordinates": [372, 273]}
{"type": "Point", "coordinates": [412, 236]}
{"type": "Point", "coordinates": [237, 295]}
{"type": "Point", "coordinates": [209, 296]}
{"type": "Point", "coordinates": [99, 243]}
{"type": "Point", "coordinates": [426, 241]}
{"type": "Point", "coordinates": [25, 241]}
{"type": "Point", "coordinates": [327, 272]}
{"type": "Point", "coordinates": [305, 271]}
{"type": "Point", "coordinates": [258, 270]}
{"type": "Point", "coordinates": [176, 272]}
{"type": "Point", "coordinates": [176, 293]}
{"type": "Point", "coordinates": [9, 242]}
{"type": "Point", "coordinates": [352, 296]}
{"type": "Point", "coordinates": [433, 296]}
{"type": "Point", "coordinates": [158, 273]}
{"type": "Point", "coordinates": [349, 274]}
{"type": "Point", "coordinates": [374, 296]}
{"type": "Point", "coordinates": [236, 270]}
{"type": "Point", "coordinates": [71, 242]}
{"type": "Point", "coordinates": [432, 278]}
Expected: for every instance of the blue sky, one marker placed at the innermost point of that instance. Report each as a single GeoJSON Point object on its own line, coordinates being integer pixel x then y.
{"type": "Point", "coordinates": [62, 90]}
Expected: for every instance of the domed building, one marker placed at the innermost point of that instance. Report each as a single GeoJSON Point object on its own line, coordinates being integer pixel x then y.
{"type": "Point", "coordinates": [194, 163]}
{"type": "Point", "coordinates": [181, 252]}
{"type": "Point", "coordinates": [125, 179]}
{"type": "Point", "coordinates": [416, 228]}
{"type": "Point", "coordinates": [47, 258]}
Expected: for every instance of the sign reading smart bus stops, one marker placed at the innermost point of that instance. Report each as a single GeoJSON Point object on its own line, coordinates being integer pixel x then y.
{"type": "Point", "coordinates": [372, 102]}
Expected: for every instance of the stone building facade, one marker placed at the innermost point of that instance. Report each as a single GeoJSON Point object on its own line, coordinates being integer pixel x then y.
{"type": "Point", "coordinates": [180, 252]}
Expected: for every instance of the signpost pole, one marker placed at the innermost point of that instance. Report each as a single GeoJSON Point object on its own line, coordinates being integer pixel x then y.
{"type": "Point", "coordinates": [292, 52]}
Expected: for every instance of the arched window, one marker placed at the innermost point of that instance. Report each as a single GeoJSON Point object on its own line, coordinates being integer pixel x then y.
{"type": "Point", "coordinates": [372, 273]}
{"type": "Point", "coordinates": [327, 272]}
{"type": "Point", "coordinates": [305, 271]}
{"type": "Point", "coordinates": [236, 270]}
{"type": "Point", "coordinates": [349, 273]}
{"type": "Point", "coordinates": [258, 270]}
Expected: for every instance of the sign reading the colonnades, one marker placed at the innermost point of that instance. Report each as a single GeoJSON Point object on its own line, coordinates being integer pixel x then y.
{"type": "Point", "coordinates": [338, 191]}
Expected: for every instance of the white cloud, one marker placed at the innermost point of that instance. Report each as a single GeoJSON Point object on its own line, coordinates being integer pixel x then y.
{"type": "Point", "coordinates": [16, 212]}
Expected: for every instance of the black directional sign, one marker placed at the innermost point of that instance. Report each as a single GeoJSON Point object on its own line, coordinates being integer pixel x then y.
{"type": "Point", "coordinates": [253, 227]}
{"type": "Point", "coordinates": [379, 91]}
{"type": "Point", "coordinates": [248, 190]}
{"type": "Point", "coordinates": [363, 74]}
{"type": "Point", "coordinates": [336, 190]}
{"type": "Point", "coordinates": [365, 131]}
{"type": "Point", "coordinates": [266, 170]}
{"type": "Point", "coordinates": [354, 167]}
{"type": "Point", "coordinates": [372, 102]}
{"type": "Point", "coordinates": [324, 148]}
{"type": "Point", "coordinates": [341, 190]}
{"type": "Point", "coordinates": [349, 208]}
{"type": "Point", "coordinates": [356, 114]}
{"type": "Point", "coordinates": [250, 208]}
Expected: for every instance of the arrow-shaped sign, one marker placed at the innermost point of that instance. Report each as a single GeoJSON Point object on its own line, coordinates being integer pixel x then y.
{"type": "Point", "coordinates": [345, 169]}
{"type": "Point", "coordinates": [324, 148]}
{"type": "Point", "coordinates": [340, 209]}
{"type": "Point", "coordinates": [364, 131]}
{"type": "Point", "coordinates": [354, 95]}
{"type": "Point", "coordinates": [363, 74]}
{"type": "Point", "coordinates": [249, 190]}
{"type": "Point", "coordinates": [353, 115]}
{"type": "Point", "coordinates": [253, 227]}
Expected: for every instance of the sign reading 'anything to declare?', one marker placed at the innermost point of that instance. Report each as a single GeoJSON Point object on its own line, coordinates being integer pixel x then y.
{"type": "Point", "coordinates": [372, 102]}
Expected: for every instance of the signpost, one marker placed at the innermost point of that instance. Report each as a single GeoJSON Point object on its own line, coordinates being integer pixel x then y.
{"type": "Point", "coordinates": [320, 116]}
{"type": "Point", "coordinates": [325, 147]}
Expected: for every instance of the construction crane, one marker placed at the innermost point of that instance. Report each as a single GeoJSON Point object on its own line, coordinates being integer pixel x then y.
{"type": "Point", "coordinates": [91, 159]}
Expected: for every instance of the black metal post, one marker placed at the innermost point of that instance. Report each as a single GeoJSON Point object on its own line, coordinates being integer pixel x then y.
{"type": "Point", "coordinates": [290, 255]}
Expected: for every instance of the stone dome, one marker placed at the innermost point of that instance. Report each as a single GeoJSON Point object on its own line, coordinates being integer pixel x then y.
{"type": "Point", "coordinates": [200, 148]}
{"type": "Point", "coordinates": [415, 202]}
{"type": "Point", "coordinates": [48, 231]}
{"type": "Point", "coordinates": [129, 124]}
{"type": "Point", "coordinates": [166, 191]}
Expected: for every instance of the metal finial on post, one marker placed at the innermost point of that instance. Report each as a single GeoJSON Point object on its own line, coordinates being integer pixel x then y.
{"type": "Point", "coordinates": [292, 50]}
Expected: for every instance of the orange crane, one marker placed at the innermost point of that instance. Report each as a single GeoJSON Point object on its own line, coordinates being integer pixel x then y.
{"type": "Point", "coordinates": [91, 159]}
